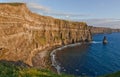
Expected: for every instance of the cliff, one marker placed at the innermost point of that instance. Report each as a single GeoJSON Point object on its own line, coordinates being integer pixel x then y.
{"type": "Point", "coordinates": [98, 30]}
{"type": "Point", "coordinates": [24, 34]}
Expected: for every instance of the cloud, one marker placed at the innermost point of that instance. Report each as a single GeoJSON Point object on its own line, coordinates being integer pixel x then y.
{"type": "Point", "coordinates": [106, 22]}
{"type": "Point", "coordinates": [50, 12]}
{"type": "Point", "coordinates": [68, 14]}
{"type": "Point", "coordinates": [103, 21]}
{"type": "Point", "coordinates": [38, 7]}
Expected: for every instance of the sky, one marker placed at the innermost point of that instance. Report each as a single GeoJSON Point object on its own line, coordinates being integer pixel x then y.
{"type": "Point", "coordinates": [94, 12]}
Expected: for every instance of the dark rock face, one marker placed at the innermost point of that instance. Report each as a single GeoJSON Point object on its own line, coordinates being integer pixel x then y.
{"type": "Point", "coordinates": [105, 40]}
{"type": "Point", "coordinates": [23, 34]}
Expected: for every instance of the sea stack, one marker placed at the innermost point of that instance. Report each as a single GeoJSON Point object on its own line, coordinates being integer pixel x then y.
{"type": "Point", "coordinates": [105, 40]}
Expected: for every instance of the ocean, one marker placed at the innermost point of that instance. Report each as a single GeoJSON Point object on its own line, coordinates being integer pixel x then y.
{"type": "Point", "coordinates": [91, 59]}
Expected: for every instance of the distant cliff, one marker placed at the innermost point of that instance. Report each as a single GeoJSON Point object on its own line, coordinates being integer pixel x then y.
{"type": "Point", "coordinates": [97, 30]}
{"type": "Point", "coordinates": [23, 34]}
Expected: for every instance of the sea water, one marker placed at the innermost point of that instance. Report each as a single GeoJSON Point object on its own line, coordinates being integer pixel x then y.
{"type": "Point", "coordinates": [91, 59]}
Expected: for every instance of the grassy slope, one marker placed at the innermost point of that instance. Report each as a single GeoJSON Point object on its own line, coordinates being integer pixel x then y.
{"type": "Point", "coordinates": [10, 70]}
{"type": "Point", "coordinates": [117, 74]}
{"type": "Point", "coordinates": [13, 4]}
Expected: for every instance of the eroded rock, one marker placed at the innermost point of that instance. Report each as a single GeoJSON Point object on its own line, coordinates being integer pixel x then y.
{"type": "Point", "coordinates": [24, 33]}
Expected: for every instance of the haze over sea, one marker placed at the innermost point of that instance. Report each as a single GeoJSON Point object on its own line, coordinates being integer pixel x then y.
{"type": "Point", "coordinates": [93, 59]}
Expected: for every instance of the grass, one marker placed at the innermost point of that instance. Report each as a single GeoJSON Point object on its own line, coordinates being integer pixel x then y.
{"type": "Point", "coordinates": [116, 74]}
{"type": "Point", "coordinates": [11, 70]}
{"type": "Point", "coordinates": [12, 4]}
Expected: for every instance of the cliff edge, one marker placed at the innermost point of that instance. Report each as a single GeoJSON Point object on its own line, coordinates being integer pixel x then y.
{"type": "Point", "coordinates": [24, 34]}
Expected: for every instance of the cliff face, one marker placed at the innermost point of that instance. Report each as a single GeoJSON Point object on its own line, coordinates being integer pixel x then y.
{"type": "Point", "coordinates": [97, 30]}
{"type": "Point", "coordinates": [24, 34]}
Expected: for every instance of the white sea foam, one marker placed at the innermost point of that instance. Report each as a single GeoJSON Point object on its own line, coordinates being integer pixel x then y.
{"type": "Point", "coordinates": [53, 56]}
{"type": "Point", "coordinates": [96, 42]}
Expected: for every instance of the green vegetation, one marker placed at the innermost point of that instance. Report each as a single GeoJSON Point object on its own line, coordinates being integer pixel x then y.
{"type": "Point", "coordinates": [39, 38]}
{"type": "Point", "coordinates": [11, 70]}
{"type": "Point", "coordinates": [117, 74]}
{"type": "Point", "coordinates": [13, 4]}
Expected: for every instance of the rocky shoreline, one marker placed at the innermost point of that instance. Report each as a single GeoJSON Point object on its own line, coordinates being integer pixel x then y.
{"type": "Point", "coordinates": [49, 61]}
{"type": "Point", "coordinates": [53, 56]}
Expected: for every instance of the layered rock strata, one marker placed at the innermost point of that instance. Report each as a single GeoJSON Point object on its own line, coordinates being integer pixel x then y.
{"type": "Point", "coordinates": [24, 34]}
{"type": "Point", "coordinates": [101, 30]}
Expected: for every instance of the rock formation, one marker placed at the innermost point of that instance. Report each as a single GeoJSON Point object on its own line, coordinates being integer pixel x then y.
{"type": "Point", "coordinates": [24, 34]}
{"type": "Point", "coordinates": [97, 30]}
{"type": "Point", "coordinates": [105, 40]}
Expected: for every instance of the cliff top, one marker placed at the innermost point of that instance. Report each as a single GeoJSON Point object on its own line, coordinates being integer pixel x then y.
{"type": "Point", "coordinates": [13, 4]}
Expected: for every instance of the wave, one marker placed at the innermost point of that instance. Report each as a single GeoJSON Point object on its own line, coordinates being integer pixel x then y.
{"type": "Point", "coordinates": [53, 56]}
{"type": "Point", "coordinates": [96, 42]}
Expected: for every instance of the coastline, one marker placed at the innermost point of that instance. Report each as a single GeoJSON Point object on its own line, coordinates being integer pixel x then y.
{"type": "Point", "coordinates": [53, 64]}
{"type": "Point", "coordinates": [49, 59]}
{"type": "Point", "coordinates": [52, 54]}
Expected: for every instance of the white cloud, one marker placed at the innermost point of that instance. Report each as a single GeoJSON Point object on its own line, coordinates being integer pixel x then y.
{"type": "Point", "coordinates": [68, 14]}
{"type": "Point", "coordinates": [38, 7]}
{"type": "Point", "coordinates": [50, 12]}
{"type": "Point", "coordinates": [107, 22]}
